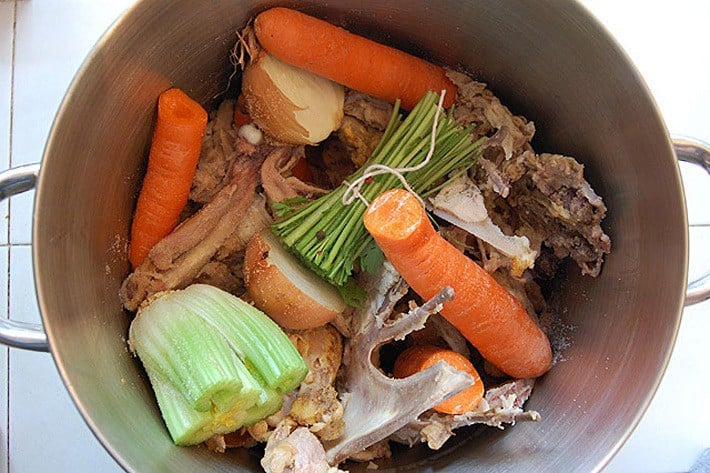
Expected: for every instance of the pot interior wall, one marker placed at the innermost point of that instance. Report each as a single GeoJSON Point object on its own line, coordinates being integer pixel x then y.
{"type": "Point", "coordinates": [546, 60]}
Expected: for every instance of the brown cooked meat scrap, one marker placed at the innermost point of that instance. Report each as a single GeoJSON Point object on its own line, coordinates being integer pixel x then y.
{"type": "Point", "coordinates": [509, 135]}
{"type": "Point", "coordinates": [374, 113]}
{"type": "Point", "coordinates": [545, 196]}
{"type": "Point", "coordinates": [221, 147]}
{"type": "Point", "coordinates": [316, 405]}
{"type": "Point", "coordinates": [549, 194]}
{"type": "Point", "coordinates": [176, 260]}
{"type": "Point", "coordinates": [365, 119]}
{"type": "Point", "coordinates": [337, 163]}
{"type": "Point", "coordinates": [222, 276]}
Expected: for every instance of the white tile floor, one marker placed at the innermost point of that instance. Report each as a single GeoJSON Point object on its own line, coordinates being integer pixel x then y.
{"type": "Point", "coordinates": [7, 11]}
{"type": "Point", "coordinates": [42, 43]}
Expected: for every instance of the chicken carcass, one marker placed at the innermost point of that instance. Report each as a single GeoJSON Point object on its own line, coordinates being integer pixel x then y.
{"type": "Point", "coordinates": [225, 269]}
{"type": "Point", "coordinates": [542, 196]}
{"type": "Point", "coordinates": [278, 184]}
{"type": "Point", "coordinates": [376, 405]}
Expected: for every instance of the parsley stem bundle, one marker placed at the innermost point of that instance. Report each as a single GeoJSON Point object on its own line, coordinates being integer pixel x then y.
{"type": "Point", "coordinates": [328, 235]}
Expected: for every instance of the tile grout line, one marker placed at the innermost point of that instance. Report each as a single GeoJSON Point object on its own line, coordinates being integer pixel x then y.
{"type": "Point", "coordinates": [7, 364]}
{"type": "Point", "coordinates": [7, 288]}
{"type": "Point", "coordinates": [12, 124]}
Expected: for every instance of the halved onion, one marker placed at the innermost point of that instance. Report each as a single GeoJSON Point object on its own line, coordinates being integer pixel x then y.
{"type": "Point", "coordinates": [292, 105]}
{"type": "Point", "coordinates": [291, 294]}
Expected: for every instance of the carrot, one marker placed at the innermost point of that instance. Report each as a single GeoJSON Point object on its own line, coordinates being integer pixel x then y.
{"type": "Point", "coordinates": [174, 152]}
{"type": "Point", "coordinates": [302, 171]}
{"type": "Point", "coordinates": [241, 117]}
{"type": "Point", "coordinates": [485, 313]}
{"type": "Point", "coordinates": [356, 62]}
{"type": "Point", "coordinates": [421, 357]}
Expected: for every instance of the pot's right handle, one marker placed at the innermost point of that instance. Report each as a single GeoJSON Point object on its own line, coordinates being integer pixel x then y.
{"type": "Point", "coordinates": [20, 334]}
{"type": "Point", "coordinates": [696, 152]}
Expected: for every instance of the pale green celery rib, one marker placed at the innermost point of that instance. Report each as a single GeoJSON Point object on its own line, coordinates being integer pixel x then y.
{"type": "Point", "coordinates": [269, 402]}
{"type": "Point", "coordinates": [257, 339]}
{"type": "Point", "coordinates": [190, 427]}
{"type": "Point", "coordinates": [190, 355]}
{"type": "Point", "coordinates": [183, 422]}
{"type": "Point", "coordinates": [215, 363]}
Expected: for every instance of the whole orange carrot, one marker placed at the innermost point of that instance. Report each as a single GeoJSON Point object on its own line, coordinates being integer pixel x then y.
{"type": "Point", "coordinates": [174, 152]}
{"type": "Point", "coordinates": [356, 62]}
{"type": "Point", "coordinates": [421, 357]}
{"type": "Point", "coordinates": [482, 310]}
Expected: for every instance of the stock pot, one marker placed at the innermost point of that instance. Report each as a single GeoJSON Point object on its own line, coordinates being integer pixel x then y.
{"type": "Point", "coordinates": [549, 61]}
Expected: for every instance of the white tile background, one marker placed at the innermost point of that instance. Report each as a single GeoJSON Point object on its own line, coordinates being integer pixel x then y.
{"type": "Point", "coordinates": [42, 44]}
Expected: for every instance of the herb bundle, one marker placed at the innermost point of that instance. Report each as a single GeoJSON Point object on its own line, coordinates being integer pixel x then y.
{"type": "Point", "coordinates": [328, 235]}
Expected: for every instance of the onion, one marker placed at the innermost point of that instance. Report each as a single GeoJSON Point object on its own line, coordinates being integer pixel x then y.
{"type": "Point", "coordinates": [292, 105]}
{"type": "Point", "coordinates": [292, 295]}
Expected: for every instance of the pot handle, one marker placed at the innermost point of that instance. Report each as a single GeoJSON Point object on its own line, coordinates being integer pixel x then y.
{"type": "Point", "coordinates": [20, 334]}
{"type": "Point", "coordinates": [696, 152]}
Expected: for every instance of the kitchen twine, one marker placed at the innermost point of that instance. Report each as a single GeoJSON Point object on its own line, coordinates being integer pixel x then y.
{"type": "Point", "coordinates": [353, 188]}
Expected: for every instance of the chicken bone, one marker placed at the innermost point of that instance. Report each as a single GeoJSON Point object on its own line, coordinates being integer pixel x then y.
{"type": "Point", "coordinates": [501, 405]}
{"type": "Point", "coordinates": [376, 405]}
{"type": "Point", "coordinates": [461, 203]}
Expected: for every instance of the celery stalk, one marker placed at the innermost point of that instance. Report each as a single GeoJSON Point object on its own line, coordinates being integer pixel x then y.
{"type": "Point", "coordinates": [190, 427]}
{"type": "Point", "coordinates": [215, 363]}
{"type": "Point", "coordinates": [269, 402]}
{"type": "Point", "coordinates": [250, 336]}
{"type": "Point", "coordinates": [216, 376]}
{"type": "Point", "coordinates": [184, 423]}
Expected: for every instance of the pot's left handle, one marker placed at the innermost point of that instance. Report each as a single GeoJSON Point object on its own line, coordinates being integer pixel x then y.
{"type": "Point", "coordinates": [21, 334]}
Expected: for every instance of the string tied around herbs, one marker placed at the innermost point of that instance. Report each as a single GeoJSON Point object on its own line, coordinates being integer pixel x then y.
{"type": "Point", "coordinates": [352, 191]}
{"type": "Point", "coordinates": [327, 234]}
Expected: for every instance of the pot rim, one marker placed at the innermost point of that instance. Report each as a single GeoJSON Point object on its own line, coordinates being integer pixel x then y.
{"type": "Point", "coordinates": [575, 9]}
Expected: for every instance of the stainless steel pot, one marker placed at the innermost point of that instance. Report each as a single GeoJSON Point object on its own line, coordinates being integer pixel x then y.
{"type": "Point", "coordinates": [548, 59]}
